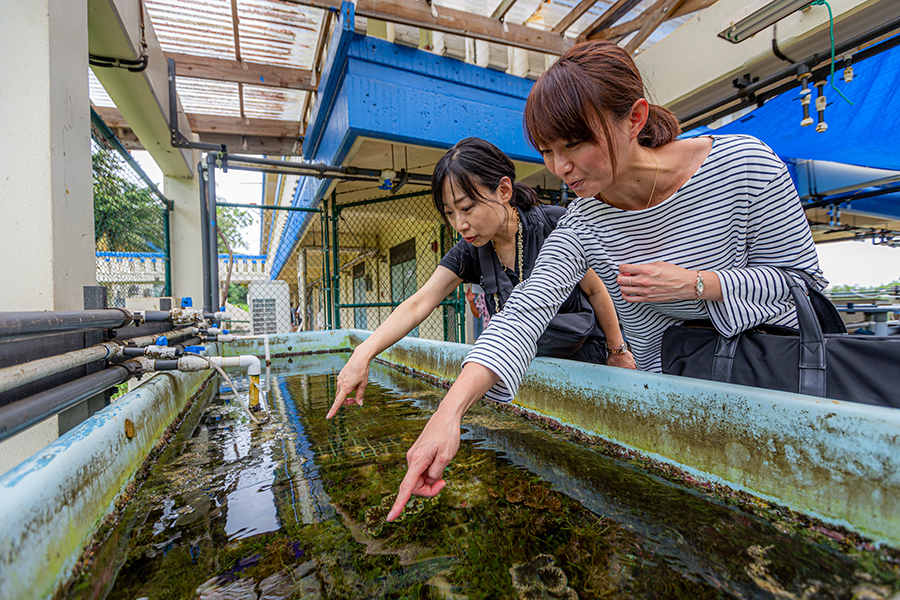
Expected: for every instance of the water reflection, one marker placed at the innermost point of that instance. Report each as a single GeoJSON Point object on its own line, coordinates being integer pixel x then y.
{"type": "Point", "coordinates": [251, 503]}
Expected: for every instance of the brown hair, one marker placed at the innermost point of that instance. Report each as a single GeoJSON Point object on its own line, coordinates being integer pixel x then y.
{"type": "Point", "coordinates": [591, 85]}
{"type": "Point", "coordinates": [473, 160]}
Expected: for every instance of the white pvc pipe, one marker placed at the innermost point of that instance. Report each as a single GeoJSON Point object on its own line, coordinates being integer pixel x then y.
{"type": "Point", "coordinates": [263, 337]}
{"type": "Point", "coordinates": [193, 362]}
{"type": "Point", "coordinates": [18, 375]}
{"type": "Point", "coordinates": [247, 361]}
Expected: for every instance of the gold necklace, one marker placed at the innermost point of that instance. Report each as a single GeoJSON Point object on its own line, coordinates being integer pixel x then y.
{"type": "Point", "coordinates": [653, 191]}
{"type": "Point", "coordinates": [516, 267]}
{"type": "Point", "coordinates": [655, 179]}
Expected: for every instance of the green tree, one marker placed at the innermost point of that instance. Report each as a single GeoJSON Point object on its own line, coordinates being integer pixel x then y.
{"type": "Point", "coordinates": [237, 295]}
{"type": "Point", "coordinates": [231, 222]}
{"type": "Point", "coordinates": [127, 218]}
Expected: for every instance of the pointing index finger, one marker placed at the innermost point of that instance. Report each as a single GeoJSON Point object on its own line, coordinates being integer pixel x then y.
{"type": "Point", "coordinates": [410, 482]}
{"type": "Point", "coordinates": [338, 401]}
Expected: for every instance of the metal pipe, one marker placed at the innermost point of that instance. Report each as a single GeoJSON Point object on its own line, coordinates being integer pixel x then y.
{"type": "Point", "coordinates": [22, 414]}
{"type": "Point", "coordinates": [167, 240]}
{"type": "Point", "coordinates": [18, 375]}
{"type": "Point", "coordinates": [16, 325]}
{"type": "Point", "coordinates": [315, 175]}
{"type": "Point", "coordinates": [326, 288]}
{"type": "Point", "coordinates": [322, 170]}
{"type": "Point", "coordinates": [306, 166]}
{"type": "Point", "coordinates": [213, 239]}
{"type": "Point", "coordinates": [204, 236]}
{"type": "Point", "coordinates": [336, 274]}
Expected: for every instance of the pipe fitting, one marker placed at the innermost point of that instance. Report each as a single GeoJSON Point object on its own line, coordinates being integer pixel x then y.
{"type": "Point", "coordinates": [186, 315]}
{"type": "Point", "coordinates": [246, 361]}
{"type": "Point", "coordinates": [193, 363]}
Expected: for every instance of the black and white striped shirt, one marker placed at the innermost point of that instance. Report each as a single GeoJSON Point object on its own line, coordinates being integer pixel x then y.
{"type": "Point", "coordinates": [739, 215]}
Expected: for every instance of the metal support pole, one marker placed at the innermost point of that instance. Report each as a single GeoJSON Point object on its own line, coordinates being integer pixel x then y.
{"type": "Point", "coordinates": [213, 237]}
{"type": "Point", "coordinates": [168, 250]}
{"type": "Point", "coordinates": [204, 235]}
{"type": "Point", "coordinates": [335, 215]}
{"type": "Point", "coordinates": [326, 283]}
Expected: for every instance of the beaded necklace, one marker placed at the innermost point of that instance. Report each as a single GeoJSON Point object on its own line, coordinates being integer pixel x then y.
{"type": "Point", "coordinates": [518, 264]}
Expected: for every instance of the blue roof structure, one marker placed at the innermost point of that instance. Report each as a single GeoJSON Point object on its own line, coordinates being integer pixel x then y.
{"type": "Point", "coordinates": [375, 89]}
{"type": "Point", "coordinates": [859, 134]}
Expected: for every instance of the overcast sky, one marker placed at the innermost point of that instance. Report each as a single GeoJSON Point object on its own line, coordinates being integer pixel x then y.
{"type": "Point", "coordinates": [844, 263]}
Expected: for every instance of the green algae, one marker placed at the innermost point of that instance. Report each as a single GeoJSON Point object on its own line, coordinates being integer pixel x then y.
{"type": "Point", "coordinates": [530, 510]}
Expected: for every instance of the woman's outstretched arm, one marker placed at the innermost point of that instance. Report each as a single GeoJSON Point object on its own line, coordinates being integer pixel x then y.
{"type": "Point", "coordinates": [437, 444]}
{"type": "Point", "coordinates": [354, 376]}
{"type": "Point", "coordinates": [605, 312]}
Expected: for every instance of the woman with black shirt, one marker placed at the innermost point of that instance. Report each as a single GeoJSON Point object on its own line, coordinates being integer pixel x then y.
{"type": "Point", "coordinates": [503, 227]}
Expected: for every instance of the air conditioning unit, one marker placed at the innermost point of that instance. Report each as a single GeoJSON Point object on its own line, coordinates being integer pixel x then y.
{"type": "Point", "coordinates": [270, 307]}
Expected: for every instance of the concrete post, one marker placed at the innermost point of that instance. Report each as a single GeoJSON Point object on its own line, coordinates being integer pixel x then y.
{"type": "Point", "coordinates": [187, 254]}
{"type": "Point", "coordinates": [46, 202]}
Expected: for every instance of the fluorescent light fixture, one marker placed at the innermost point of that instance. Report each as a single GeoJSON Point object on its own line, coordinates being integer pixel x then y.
{"type": "Point", "coordinates": [743, 27]}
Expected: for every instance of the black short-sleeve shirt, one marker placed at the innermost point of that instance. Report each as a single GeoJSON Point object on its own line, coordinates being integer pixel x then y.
{"type": "Point", "coordinates": [462, 258]}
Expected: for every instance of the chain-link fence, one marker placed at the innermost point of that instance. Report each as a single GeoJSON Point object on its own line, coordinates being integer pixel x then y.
{"type": "Point", "coordinates": [255, 303]}
{"type": "Point", "coordinates": [256, 300]}
{"type": "Point", "coordinates": [130, 223]}
{"type": "Point", "coordinates": [350, 268]}
{"type": "Point", "coordinates": [387, 249]}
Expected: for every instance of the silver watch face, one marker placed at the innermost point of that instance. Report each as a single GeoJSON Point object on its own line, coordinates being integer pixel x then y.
{"type": "Point", "coordinates": [699, 285]}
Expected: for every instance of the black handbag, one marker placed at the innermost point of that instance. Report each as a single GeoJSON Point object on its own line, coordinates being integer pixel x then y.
{"type": "Point", "coordinates": [820, 359]}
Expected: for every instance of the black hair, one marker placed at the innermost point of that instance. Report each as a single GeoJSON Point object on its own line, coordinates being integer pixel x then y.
{"type": "Point", "coordinates": [592, 85]}
{"type": "Point", "coordinates": [474, 161]}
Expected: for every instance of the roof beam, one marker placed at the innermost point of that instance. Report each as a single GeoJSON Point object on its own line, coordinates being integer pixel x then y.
{"type": "Point", "coordinates": [501, 10]}
{"type": "Point", "coordinates": [456, 22]}
{"type": "Point", "coordinates": [659, 12]}
{"type": "Point", "coordinates": [617, 32]}
{"type": "Point", "coordinates": [236, 143]}
{"type": "Point", "coordinates": [218, 124]}
{"type": "Point", "coordinates": [243, 126]}
{"type": "Point", "coordinates": [608, 18]}
{"type": "Point", "coordinates": [220, 69]}
{"type": "Point", "coordinates": [575, 14]}
{"type": "Point", "coordinates": [316, 66]}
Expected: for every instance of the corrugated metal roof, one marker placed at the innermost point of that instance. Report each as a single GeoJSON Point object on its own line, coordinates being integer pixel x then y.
{"type": "Point", "coordinates": [209, 97]}
{"type": "Point", "coordinates": [284, 34]}
{"type": "Point", "coordinates": [199, 27]}
{"type": "Point", "coordinates": [278, 33]}
{"type": "Point", "coordinates": [271, 32]}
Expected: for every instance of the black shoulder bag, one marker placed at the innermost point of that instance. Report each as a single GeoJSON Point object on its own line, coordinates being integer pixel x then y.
{"type": "Point", "coordinates": [573, 324]}
{"type": "Point", "coordinates": [820, 359]}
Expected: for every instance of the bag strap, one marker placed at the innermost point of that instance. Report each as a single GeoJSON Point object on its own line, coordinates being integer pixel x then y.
{"type": "Point", "coordinates": [812, 343]}
{"type": "Point", "coordinates": [829, 317]}
{"type": "Point", "coordinates": [723, 358]}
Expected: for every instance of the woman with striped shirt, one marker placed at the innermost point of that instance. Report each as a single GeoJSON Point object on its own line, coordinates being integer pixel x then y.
{"type": "Point", "coordinates": [676, 229]}
{"type": "Point", "coordinates": [503, 226]}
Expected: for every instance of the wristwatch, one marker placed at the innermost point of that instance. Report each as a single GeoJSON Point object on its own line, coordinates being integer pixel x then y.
{"type": "Point", "coordinates": [620, 350]}
{"type": "Point", "coordinates": [698, 285]}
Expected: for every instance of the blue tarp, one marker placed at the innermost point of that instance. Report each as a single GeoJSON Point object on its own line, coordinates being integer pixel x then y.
{"type": "Point", "coordinates": [861, 134]}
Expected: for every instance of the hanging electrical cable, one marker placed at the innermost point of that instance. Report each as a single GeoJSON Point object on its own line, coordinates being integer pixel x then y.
{"type": "Point", "coordinates": [222, 372]}
{"type": "Point", "coordinates": [135, 66]}
{"type": "Point", "coordinates": [831, 33]}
